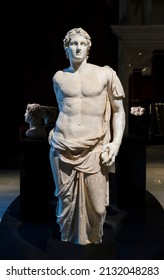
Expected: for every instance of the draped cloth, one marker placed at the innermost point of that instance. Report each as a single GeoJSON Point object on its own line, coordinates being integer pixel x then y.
{"type": "Point", "coordinates": [81, 180]}
{"type": "Point", "coordinates": [78, 219]}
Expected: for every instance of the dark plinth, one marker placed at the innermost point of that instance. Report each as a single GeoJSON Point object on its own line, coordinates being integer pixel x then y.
{"type": "Point", "coordinates": [36, 181]}
{"type": "Point", "coordinates": [129, 181]}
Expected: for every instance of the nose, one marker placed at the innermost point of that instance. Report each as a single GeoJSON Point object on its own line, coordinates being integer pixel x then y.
{"type": "Point", "coordinates": [79, 46]}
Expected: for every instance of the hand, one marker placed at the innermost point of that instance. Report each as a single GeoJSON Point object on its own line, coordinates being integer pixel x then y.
{"type": "Point", "coordinates": [109, 153]}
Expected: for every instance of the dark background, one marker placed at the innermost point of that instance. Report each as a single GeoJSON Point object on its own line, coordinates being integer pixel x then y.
{"type": "Point", "coordinates": [33, 33]}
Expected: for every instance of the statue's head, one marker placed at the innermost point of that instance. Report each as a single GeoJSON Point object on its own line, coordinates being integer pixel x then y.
{"type": "Point", "coordinates": [73, 32]}
{"type": "Point", "coordinates": [34, 111]}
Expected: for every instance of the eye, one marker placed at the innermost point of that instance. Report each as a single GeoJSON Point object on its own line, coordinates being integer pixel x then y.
{"type": "Point", "coordinates": [73, 43]}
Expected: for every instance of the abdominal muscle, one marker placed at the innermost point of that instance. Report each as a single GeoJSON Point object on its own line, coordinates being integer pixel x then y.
{"type": "Point", "coordinates": [81, 118]}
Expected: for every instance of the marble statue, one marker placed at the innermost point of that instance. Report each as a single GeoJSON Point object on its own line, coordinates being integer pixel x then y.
{"type": "Point", "coordinates": [38, 116]}
{"type": "Point", "coordinates": [137, 111]}
{"type": "Point", "coordinates": [85, 140]}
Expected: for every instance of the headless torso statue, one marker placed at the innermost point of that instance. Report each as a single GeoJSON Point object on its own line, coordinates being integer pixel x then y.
{"type": "Point", "coordinates": [82, 149]}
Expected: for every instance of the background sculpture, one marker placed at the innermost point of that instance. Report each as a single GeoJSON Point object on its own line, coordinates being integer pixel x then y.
{"type": "Point", "coordinates": [39, 117]}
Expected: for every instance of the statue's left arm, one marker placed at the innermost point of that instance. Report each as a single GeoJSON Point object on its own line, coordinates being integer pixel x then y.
{"type": "Point", "coordinates": [116, 95]}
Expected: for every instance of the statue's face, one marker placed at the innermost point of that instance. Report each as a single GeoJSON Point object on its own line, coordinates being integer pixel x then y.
{"type": "Point", "coordinates": [27, 116]}
{"type": "Point", "coordinates": [77, 49]}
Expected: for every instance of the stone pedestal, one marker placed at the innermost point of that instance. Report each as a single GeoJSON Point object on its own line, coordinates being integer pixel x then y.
{"type": "Point", "coordinates": [36, 181]}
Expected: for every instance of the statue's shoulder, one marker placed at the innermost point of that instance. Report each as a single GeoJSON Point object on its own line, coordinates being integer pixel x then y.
{"type": "Point", "coordinates": [110, 72]}
{"type": "Point", "coordinates": [94, 67]}
{"type": "Point", "coordinates": [57, 76]}
{"type": "Point", "coordinates": [105, 68]}
{"type": "Point", "coordinates": [108, 69]}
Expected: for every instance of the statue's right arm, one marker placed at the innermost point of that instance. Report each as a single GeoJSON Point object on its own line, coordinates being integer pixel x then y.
{"type": "Point", "coordinates": [56, 81]}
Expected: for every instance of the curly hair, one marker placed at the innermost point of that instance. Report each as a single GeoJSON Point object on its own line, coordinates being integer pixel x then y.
{"type": "Point", "coordinates": [77, 31]}
{"type": "Point", "coordinates": [36, 110]}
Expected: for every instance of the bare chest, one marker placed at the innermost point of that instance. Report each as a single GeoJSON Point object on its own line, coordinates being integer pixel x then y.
{"type": "Point", "coordinates": [73, 85]}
